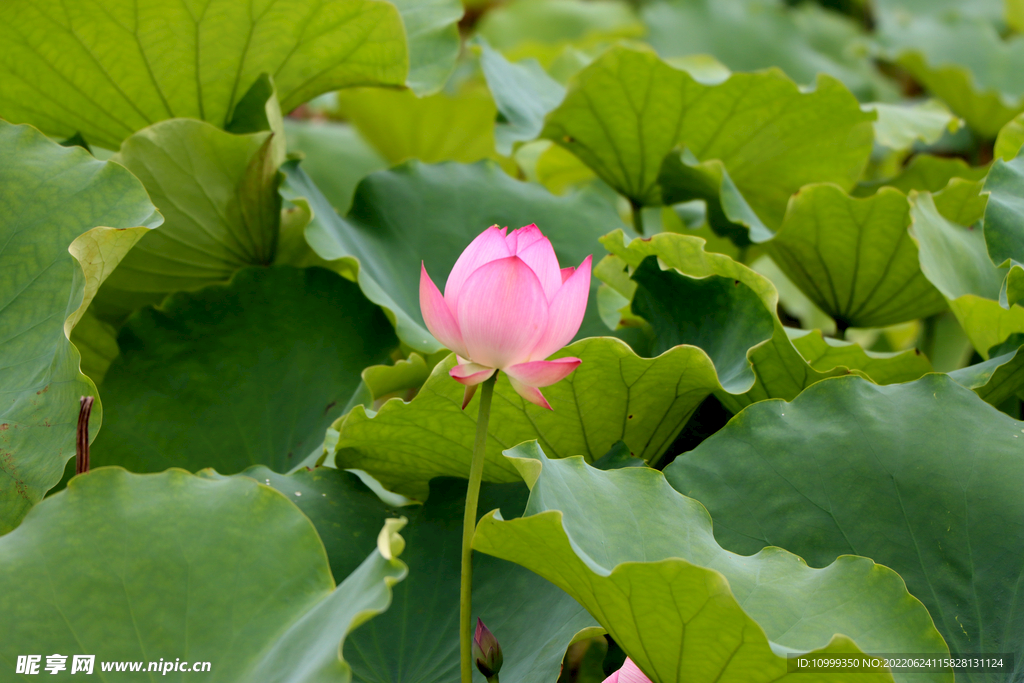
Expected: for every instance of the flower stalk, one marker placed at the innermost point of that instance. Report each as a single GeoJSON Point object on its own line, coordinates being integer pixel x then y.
{"type": "Point", "coordinates": [476, 472]}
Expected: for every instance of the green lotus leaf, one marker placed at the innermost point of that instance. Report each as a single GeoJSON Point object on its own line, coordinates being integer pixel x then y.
{"type": "Point", "coordinates": [226, 572]}
{"type": "Point", "coordinates": [995, 380]}
{"type": "Point", "coordinates": [442, 127]}
{"type": "Point", "coordinates": [683, 179]}
{"type": "Point", "coordinates": [780, 371]}
{"type": "Point", "coordinates": [108, 71]}
{"type": "Point", "coordinates": [720, 315]}
{"type": "Point", "coordinates": [67, 222]}
{"type": "Point", "coordinates": [900, 126]}
{"type": "Point", "coordinates": [642, 559]}
{"type": "Point", "coordinates": [1004, 213]}
{"type": "Point", "coordinates": [825, 353]}
{"type": "Point", "coordinates": [218, 194]}
{"type": "Point", "coordinates": [523, 92]}
{"type": "Point", "coordinates": [417, 638]}
{"type": "Point", "coordinates": [335, 156]}
{"type": "Point", "coordinates": [1015, 15]}
{"type": "Point", "coordinates": [964, 62]}
{"type": "Point", "coordinates": [613, 395]}
{"type": "Point", "coordinates": [96, 341]}
{"type": "Point", "coordinates": [924, 478]}
{"type": "Point", "coordinates": [557, 22]}
{"type": "Point", "coordinates": [854, 257]}
{"type": "Point", "coordinates": [404, 375]}
{"type": "Point", "coordinates": [417, 213]}
{"type": "Point", "coordinates": [752, 35]}
{"type": "Point", "coordinates": [628, 110]}
{"type": "Point", "coordinates": [955, 258]}
{"type": "Point", "coordinates": [432, 33]}
{"type": "Point", "coordinates": [1010, 139]}
{"type": "Point", "coordinates": [924, 173]}
{"type": "Point", "coordinates": [233, 375]}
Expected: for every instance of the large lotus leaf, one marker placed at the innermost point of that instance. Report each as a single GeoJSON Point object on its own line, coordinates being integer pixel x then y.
{"type": "Point", "coordinates": [780, 370]}
{"type": "Point", "coordinates": [900, 126]}
{"type": "Point", "coordinates": [533, 620]}
{"type": "Point", "coordinates": [684, 179]}
{"type": "Point", "coordinates": [108, 69]}
{"type": "Point", "coordinates": [964, 62]}
{"type": "Point", "coordinates": [132, 568]}
{"type": "Point", "coordinates": [419, 213]}
{"type": "Point", "coordinates": [416, 641]}
{"type": "Point", "coordinates": [523, 92]}
{"type": "Point", "coordinates": [854, 257]}
{"type": "Point", "coordinates": [335, 156]}
{"type": "Point", "coordinates": [955, 258]}
{"type": "Point", "coordinates": [614, 395]}
{"type": "Point", "coordinates": [750, 35]}
{"type": "Point", "coordinates": [925, 173]}
{"type": "Point", "coordinates": [96, 342]}
{"type": "Point", "coordinates": [642, 559]}
{"type": "Point", "coordinates": [432, 32]}
{"type": "Point", "coordinates": [625, 112]}
{"type": "Point", "coordinates": [1010, 139]}
{"type": "Point", "coordinates": [442, 127]}
{"type": "Point", "coordinates": [922, 477]}
{"type": "Point", "coordinates": [720, 315]}
{"type": "Point", "coordinates": [233, 375]}
{"type": "Point", "coordinates": [557, 22]}
{"type": "Point", "coordinates": [1004, 214]}
{"type": "Point", "coordinates": [218, 194]}
{"type": "Point", "coordinates": [66, 222]}
{"type": "Point", "coordinates": [996, 379]}
{"type": "Point", "coordinates": [826, 353]}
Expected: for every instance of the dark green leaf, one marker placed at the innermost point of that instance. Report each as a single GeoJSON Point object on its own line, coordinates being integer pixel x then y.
{"type": "Point", "coordinates": [922, 477]}
{"type": "Point", "coordinates": [67, 221]}
{"type": "Point", "coordinates": [642, 559]}
{"type": "Point", "coordinates": [132, 568]}
{"type": "Point", "coordinates": [251, 372]}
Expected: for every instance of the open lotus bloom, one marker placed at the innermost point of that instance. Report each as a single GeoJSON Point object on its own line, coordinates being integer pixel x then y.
{"type": "Point", "coordinates": [629, 673]}
{"type": "Point", "coordinates": [508, 306]}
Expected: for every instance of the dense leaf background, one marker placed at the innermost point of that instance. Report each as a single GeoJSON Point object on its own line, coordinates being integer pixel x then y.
{"type": "Point", "coordinates": [797, 425]}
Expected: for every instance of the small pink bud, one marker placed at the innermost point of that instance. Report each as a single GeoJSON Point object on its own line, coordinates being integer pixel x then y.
{"type": "Point", "coordinates": [486, 651]}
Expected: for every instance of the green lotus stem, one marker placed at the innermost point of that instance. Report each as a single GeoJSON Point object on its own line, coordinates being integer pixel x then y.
{"type": "Point", "coordinates": [476, 473]}
{"type": "Point", "coordinates": [638, 217]}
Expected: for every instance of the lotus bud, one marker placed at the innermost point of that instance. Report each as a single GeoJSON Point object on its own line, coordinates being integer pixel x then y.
{"type": "Point", "coordinates": [486, 652]}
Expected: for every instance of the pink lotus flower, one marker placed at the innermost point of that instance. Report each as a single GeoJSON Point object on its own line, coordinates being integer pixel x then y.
{"type": "Point", "coordinates": [507, 306]}
{"type": "Point", "coordinates": [629, 673]}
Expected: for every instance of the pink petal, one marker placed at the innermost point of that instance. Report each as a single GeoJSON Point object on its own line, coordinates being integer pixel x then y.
{"type": "Point", "coordinates": [565, 312]}
{"type": "Point", "coordinates": [566, 272]}
{"type": "Point", "coordinates": [614, 678]}
{"type": "Point", "coordinates": [437, 315]}
{"type": "Point", "coordinates": [511, 240]}
{"type": "Point", "coordinates": [502, 313]}
{"type": "Point", "coordinates": [631, 673]}
{"type": "Point", "coordinates": [540, 256]}
{"type": "Point", "coordinates": [470, 374]}
{"type": "Point", "coordinates": [542, 373]}
{"type": "Point", "coordinates": [488, 246]}
{"type": "Point", "coordinates": [531, 394]}
{"type": "Point", "coordinates": [468, 396]}
{"type": "Point", "coordinates": [523, 237]}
